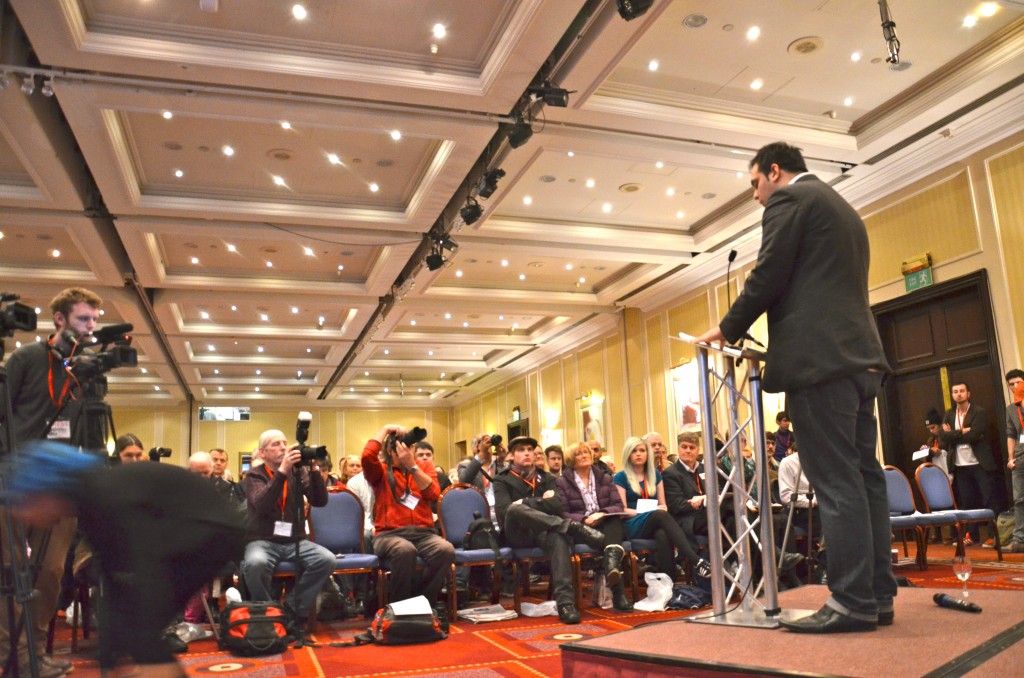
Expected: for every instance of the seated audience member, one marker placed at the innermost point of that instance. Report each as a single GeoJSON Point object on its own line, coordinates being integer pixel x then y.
{"type": "Point", "coordinates": [794, 489]}
{"type": "Point", "coordinates": [783, 435]}
{"type": "Point", "coordinates": [225, 483]}
{"type": "Point", "coordinates": [530, 514]}
{"type": "Point", "coordinates": [656, 446]}
{"type": "Point", "coordinates": [153, 554]}
{"type": "Point", "coordinates": [598, 452]}
{"type": "Point", "coordinates": [128, 449]}
{"type": "Point", "coordinates": [540, 460]}
{"type": "Point", "coordinates": [480, 469]}
{"type": "Point", "coordinates": [555, 458]}
{"type": "Point", "coordinates": [425, 452]}
{"type": "Point", "coordinates": [275, 492]}
{"type": "Point", "coordinates": [638, 480]}
{"type": "Point", "coordinates": [588, 496]}
{"type": "Point", "coordinates": [684, 488]}
{"type": "Point", "coordinates": [351, 464]}
{"type": "Point", "coordinates": [331, 480]}
{"type": "Point", "coordinates": [403, 487]}
{"type": "Point", "coordinates": [936, 455]}
{"type": "Point", "coordinates": [354, 587]}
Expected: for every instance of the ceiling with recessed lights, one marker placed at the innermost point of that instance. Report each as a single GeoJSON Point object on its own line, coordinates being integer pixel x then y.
{"type": "Point", "coordinates": [255, 184]}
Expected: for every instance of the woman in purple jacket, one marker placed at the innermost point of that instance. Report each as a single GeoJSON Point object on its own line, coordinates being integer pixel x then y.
{"type": "Point", "coordinates": [588, 496]}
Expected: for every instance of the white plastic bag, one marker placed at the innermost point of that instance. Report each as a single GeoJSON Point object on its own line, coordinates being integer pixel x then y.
{"type": "Point", "coordinates": [659, 592]}
{"type": "Point", "coordinates": [548, 608]}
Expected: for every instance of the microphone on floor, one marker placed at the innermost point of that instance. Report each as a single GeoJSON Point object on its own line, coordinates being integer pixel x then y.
{"type": "Point", "coordinates": [943, 600]}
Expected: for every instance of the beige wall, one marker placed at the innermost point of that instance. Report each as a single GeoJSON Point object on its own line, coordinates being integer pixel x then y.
{"type": "Point", "coordinates": [969, 215]}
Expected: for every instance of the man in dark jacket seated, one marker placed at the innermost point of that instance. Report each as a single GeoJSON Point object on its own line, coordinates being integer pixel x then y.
{"type": "Point", "coordinates": [530, 514]}
{"type": "Point", "coordinates": [588, 496]}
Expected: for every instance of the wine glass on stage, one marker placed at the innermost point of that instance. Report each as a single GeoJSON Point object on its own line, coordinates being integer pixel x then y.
{"type": "Point", "coordinates": [962, 570]}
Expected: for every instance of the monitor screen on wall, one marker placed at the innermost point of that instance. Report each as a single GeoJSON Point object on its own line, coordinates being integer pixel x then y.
{"type": "Point", "coordinates": [223, 414]}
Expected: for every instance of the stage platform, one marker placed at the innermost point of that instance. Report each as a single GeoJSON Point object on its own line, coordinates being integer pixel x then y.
{"type": "Point", "coordinates": [925, 640]}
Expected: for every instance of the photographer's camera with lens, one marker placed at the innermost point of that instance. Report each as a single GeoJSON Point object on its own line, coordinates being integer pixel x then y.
{"type": "Point", "coordinates": [496, 439]}
{"type": "Point", "coordinates": [409, 438]}
{"type": "Point", "coordinates": [157, 453]}
{"type": "Point", "coordinates": [309, 453]}
{"type": "Point", "coordinates": [14, 316]}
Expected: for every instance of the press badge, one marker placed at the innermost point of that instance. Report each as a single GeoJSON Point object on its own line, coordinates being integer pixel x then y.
{"type": "Point", "coordinates": [410, 501]}
{"type": "Point", "coordinates": [61, 430]}
{"type": "Point", "coordinates": [282, 528]}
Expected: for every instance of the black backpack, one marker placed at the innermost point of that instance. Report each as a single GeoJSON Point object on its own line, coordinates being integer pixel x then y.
{"type": "Point", "coordinates": [481, 534]}
{"type": "Point", "coordinates": [251, 628]}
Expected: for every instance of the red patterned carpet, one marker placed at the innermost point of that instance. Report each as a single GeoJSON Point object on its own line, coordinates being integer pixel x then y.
{"type": "Point", "coordinates": [520, 647]}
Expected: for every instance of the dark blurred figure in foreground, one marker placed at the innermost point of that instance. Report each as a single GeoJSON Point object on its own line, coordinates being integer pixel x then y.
{"type": "Point", "coordinates": [160, 534]}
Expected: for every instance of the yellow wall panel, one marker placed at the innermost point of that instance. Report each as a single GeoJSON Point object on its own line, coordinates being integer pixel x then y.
{"type": "Point", "coordinates": [515, 393]}
{"type": "Point", "coordinates": [657, 364]}
{"type": "Point", "coordinates": [615, 400]}
{"type": "Point", "coordinates": [939, 219]}
{"type": "Point", "coordinates": [1006, 173]}
{"type": "Point", "coordinates": [551, 412]}
{"type": "Point", "coordinates": [692, 317]}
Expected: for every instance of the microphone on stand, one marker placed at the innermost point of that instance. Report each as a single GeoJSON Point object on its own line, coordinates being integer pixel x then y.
{"type": "Point", "coordinates": [943, 600]}
{"type": "Point", "coordinates": [728, 297]}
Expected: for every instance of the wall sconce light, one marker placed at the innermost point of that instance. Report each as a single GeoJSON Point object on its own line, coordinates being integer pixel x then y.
{"type": "Point", "coordinates": [516, 413]}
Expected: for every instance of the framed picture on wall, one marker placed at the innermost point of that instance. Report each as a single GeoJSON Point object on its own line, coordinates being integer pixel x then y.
{"type": "Point", "coordinates": [591, 421]}
{"type": "Point", "coordinates": [686, 393]}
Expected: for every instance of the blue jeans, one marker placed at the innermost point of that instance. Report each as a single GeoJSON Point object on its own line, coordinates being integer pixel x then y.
{"type": "Point", "coordinates": [261, 559]}
{"type": "Point", "coordinates": [838, 433]}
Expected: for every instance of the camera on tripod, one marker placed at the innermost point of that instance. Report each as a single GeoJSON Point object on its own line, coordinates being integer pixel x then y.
{"type": "Point", "coordinates": [309, 453]}
{"type": "Point", "coordinates": [157, 452]}
{"type": "Point", "coordinates": [409, 438]}
{"type": "Point", "coordinates": [14, 316]}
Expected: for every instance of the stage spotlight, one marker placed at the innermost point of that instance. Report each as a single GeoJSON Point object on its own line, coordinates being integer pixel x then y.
{"type": "Point", "coordinates": [28, 85]}
{"type": "Point", "coordinates": [552, 96]}
{"type": "Point", "coordinates": [488, 183]}
{"type": "Point", "coordinates": [434, 261]}
{"type": "Point", "coordinates": [47, 89]}
{"type": "Point", "coordinates": [472, 212]}
{"type": "Point", "coordinates": [447, 243]}
{"type": "Point", "coordinates": [520, 133]}
{"type": "Point", "coordinates": [631, 9]}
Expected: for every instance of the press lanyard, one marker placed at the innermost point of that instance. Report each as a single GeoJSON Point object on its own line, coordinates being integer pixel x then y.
{"type": "Point", "coordinates": [531, 483]}
{"type": "Point", "coordinates": [49, 378]}
{"type": "Point", "coordinates": [960, 416]}
{"type": "Point", "coordinates": [643, 488]}
{"type": "Point", "coordinates": [696, 476]}
{"type": "Point", "coordinates": [284, 493]}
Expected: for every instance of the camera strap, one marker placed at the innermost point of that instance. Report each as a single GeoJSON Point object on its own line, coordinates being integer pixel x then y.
{"type": "Point", "coordinates": [391, 483]}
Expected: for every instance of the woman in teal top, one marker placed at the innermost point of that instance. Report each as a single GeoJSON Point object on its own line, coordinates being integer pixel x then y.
{"type": "Point", "coordinates": [639, 479]}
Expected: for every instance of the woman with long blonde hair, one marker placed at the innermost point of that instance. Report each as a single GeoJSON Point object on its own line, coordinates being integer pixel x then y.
{"type": "Point", "coordinates": [639, 479]}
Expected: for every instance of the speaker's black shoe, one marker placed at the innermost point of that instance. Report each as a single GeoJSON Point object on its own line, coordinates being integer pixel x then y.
{"type": "Point", "coordinates": [886, 618]}
{"type": "Point", "coordinates": [827, 620]}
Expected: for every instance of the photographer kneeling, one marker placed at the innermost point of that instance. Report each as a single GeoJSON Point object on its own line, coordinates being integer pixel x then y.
{"type": "Point", "coordinates": [276, 521]}
{"type": "Point", "coordinates": [403, 488]}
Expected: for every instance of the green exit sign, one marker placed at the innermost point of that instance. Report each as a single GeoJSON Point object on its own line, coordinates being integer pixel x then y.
{"type": "Point", "coordinates": [919, 279]}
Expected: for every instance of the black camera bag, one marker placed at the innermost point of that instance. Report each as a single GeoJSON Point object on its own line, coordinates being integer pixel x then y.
{"type": "Point", "coordinates": [387, 628]}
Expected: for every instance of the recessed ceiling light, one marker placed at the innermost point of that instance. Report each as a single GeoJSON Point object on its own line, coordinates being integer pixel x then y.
{"type": "Point", "coordinates": [848, 101]}
{"type": "Point", "coordinates": [264, 317]}
{"type": "Point", "coordinates": [515, 326]}
{"type": "Point", "coordinates": [988, 9]}
{"type": "Point", "coordinates": [568, 267]}
{"type": "Point", "coordinates": [102, 312]}
{"type": "Point", "coordinates": [308, 251]}
{"type": "Point", "coordinates": [465, 324]}
{"type": "Point", "coordinates": [522, 276]}
{"type": "Point", "coordinates": [259, 372]}
{"type": "Point", "coordinates": [970, 21]}
{"type": "Point", "coordinates": [220, 388]}
{"type": "Point", "coordinates": [38, 310]}
{"type": "Point", "coordinates": [341, 267]}
{"type": "Point", "coordinates": [652, 65]}
{"type": "Point", "coordinates": [670, 191]}
{"type": "Point", "coordinates": [679, 214]}
{"type": "Point", "coordinates": [659, 164]}
{"type": "Point", "coordinates": [156, 388]}
{"type": "Point", "coordinates": [739, 175]}
{"type": "Point", "coordinates": [233, 307]}
{"type": "Point", "coordinates": [279, 181]}
{"type": "Point", "coordinates": [387, 351]}
{"type": "Point", "coordinates": [56, 254]}
{"type": "Point", "coordinates": [430, 352]}
{"type": "Point", "coordinates": [590, 183]}
{"type": "Point", "coordinates": [232, 248]}
{"type": "Point", "coordinates": [295, 309]}
{"type": "Point", "coordinates": [299, 12]}
{"type": "Point", "coordinates": [285, 124]}
{"type": "Point", "coordinates": [257, 389]}
{"type": "Point", "coordinates": [366, 374]}
{"type": "Point", "coordinates": [374, 187]}
{"type": "Point", "coordinates": [571, 154]}
{"type": "Point", "coordinates": [387, 390]}
{"type": "Point", "coordinates": [396, 135]}
{"type": "Point", "coordinates": [270, 264]}
{"type": "Point", "coordinates": [504, 262]}
{"type": "Point", "coordinates": [458, 274]}
{"type": "Point", "coordinates": [259, 349]}
{"type": "Point", "coordinates": [178, 173]}
{"type": "Point", "coordinates": [757, 84]}
{"type": "Point", "coordinates": [144, 370]}
{"type": "Point", "coordinates": [204, 315]}
{"type": "Point", "coordinates": [298, 373]}
{"type": "Point", "coordinates": [211, 347]}
{"type": "Point", "coordinates": [321, 320]}
{"type": "Point", "coordinates": [474, 352]}
{"type": "Point", "coordinates": [527, 200]}
{"type": "Point", "coordinates": [228, 151]}
{"type": "Point", "coordinates": [442, 374]}
{"type": "Point", "coordinates": [753, 33]}
{"type": "Point", "coordinates": [309, 350]}
{"type": "Point", "coordinates": [439, 31]}
{"type": "Point", "coordinates": [606, 208]}
{"type": "Point", "coordinates": [215, 371]}
{"type": "Point", "coordinates": [501, 317]}
{"type": "Point", "coordinates": [855, 56]}
{"type": "Point", "coordinates": [167, 115]}
{"type": "Point", "coordinates": [195, 260]}
{"type": "Point", "coordinates": [447, 316]}
{"type": "Point", "coordinates": [412, 322]}
{"type": "Point", "coordinates": [583, 280]}
{"type": "Point", "coordinates": [419, 390]}
{"type": "Point", "coordinates": [351, 389]}
{"type": "Point", "coordinates": [333, 159]}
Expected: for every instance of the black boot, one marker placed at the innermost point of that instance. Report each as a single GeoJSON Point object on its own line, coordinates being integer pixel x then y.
{"type": "Point", "coordinates": [613, 554]}
{"type": "Point", "coordinates": [619, 600]}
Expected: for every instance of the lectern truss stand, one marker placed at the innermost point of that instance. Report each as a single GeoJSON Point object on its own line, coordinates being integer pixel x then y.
{"type": "Point", "coordinates": [734, 553]}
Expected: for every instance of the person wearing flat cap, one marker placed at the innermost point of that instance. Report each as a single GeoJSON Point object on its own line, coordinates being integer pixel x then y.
{"type": "Point", "coordinates": [936, 455]}
{"type": "Point", "coordinates": [530, 514]}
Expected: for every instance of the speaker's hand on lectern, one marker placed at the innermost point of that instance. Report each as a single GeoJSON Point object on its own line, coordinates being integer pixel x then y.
{"type": "Point", "coordinates": [711, 336]}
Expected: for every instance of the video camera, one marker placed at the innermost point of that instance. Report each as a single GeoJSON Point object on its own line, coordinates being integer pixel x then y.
{"type": "Point", "coordinates": [14, 316]}
{"type": "Point", "coordinates": [409, 439]}
{"type": "Point", "coordinates": [92, 357]}
{"type": "Point", "coordinates": [157, 452]}
{"type": "Point", "coordinates": [309, 452]}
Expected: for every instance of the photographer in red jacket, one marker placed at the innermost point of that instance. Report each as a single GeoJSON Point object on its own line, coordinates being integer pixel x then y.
{"type": "Point", "coordinates": [403, 520]}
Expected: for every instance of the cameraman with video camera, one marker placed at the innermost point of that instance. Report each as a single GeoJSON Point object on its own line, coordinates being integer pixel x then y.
{"type": "Point", "coordinates": [274, 495]}
{"type": "Point", "coordinates": [40, 388]}
{"type": "Point", "coordinates": [403, 487]}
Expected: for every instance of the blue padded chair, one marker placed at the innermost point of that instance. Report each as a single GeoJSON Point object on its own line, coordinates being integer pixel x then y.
{"type": "Point", "coordinates": [338, 527]}
{"type": "Point", "coordinates": [455, 511]}
{"type": "Point", "coordinates": [937, 492]}
{"type": "Point", "coordinates": [634, 547]}
{"type": "Point", "coordinates": [904, 516]}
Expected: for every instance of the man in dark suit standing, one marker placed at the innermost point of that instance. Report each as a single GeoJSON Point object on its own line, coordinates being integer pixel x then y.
{"type": "Point", "coordinates": [825, 353]}
{"type": "Point", "coordinates": [970, 456]}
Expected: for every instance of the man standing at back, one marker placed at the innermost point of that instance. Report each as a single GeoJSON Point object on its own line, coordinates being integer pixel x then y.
{"type": "Point", "coordinates": [970, 457]}
{"type": "Point", "coordinates": [824, 352]}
